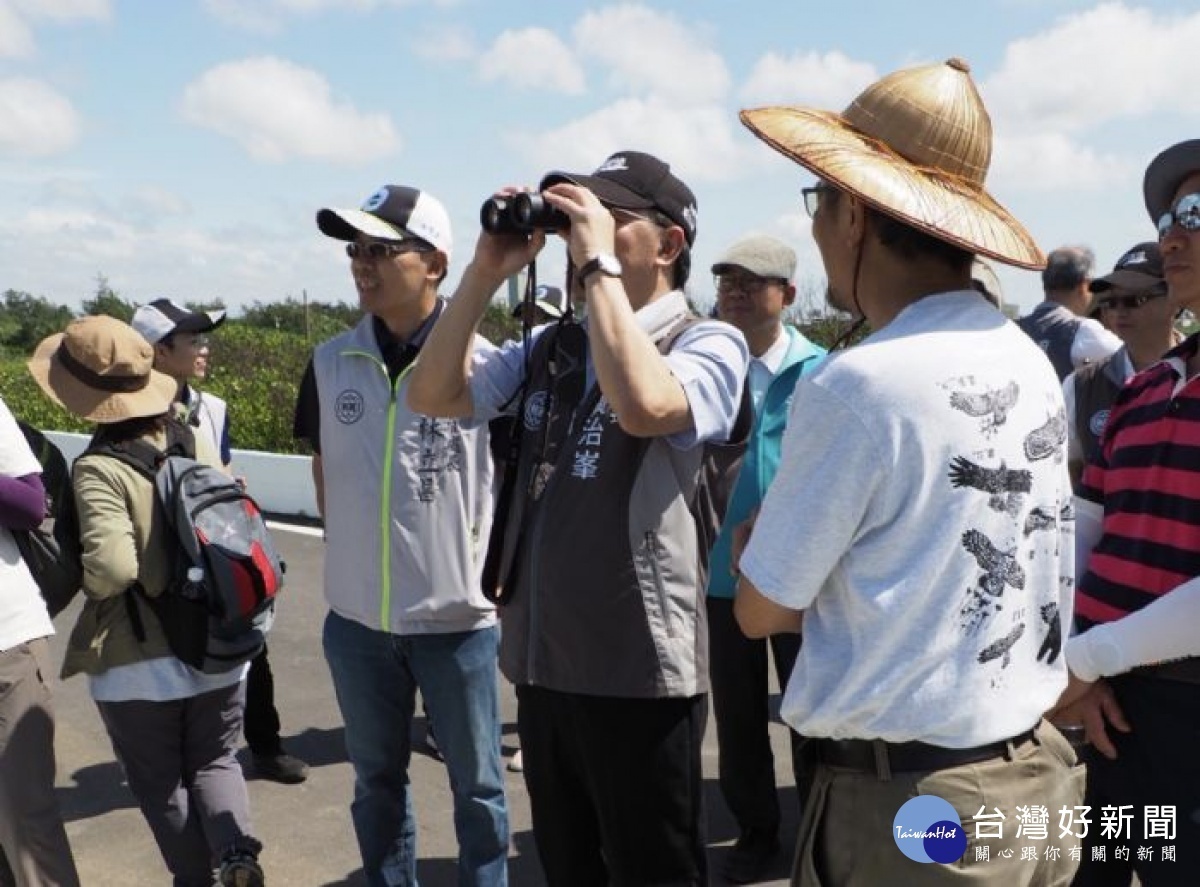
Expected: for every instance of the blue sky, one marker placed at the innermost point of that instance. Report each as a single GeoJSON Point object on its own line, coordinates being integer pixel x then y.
{"type": "Point", "coordinates": [182, 147]}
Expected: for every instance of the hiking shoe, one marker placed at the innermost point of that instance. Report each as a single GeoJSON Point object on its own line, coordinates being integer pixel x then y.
{"type": "Point", "coordinates": [751, 858]}
{"type": "Point", "coordinates": [281, 767]}
{"type": "Point", "coordinates": [240, 868]}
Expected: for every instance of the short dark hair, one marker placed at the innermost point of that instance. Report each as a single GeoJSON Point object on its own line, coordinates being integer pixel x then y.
{"type": "Point", "coordinates": [912, 243]}
{"type": "Point", "coordinates": [1067, 267]}
{"type": "Point", "coordinates": [682, 269]}
{"type": "Point", "coordinates": [902, 238]}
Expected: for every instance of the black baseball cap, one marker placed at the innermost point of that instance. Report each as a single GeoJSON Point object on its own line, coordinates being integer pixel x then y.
{"type": "Point", "coordinates": [636, 180]}
{"type": "Point", "coordinates": [1139, 269]}
{"type": "Point", "coordinates": [162, 318]}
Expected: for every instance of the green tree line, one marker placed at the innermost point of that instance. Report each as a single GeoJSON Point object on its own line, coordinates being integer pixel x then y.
{"type": "Point", "coordinates": [258, 356]}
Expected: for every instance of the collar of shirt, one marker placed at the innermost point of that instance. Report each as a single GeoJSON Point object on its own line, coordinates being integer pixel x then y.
{"type": "Point", "coordinates": [397, 354]}
{"type": "Point", "coordinates": [772, 359]}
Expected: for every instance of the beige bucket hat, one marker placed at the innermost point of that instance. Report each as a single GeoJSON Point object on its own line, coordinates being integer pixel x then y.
{"type": "Point", "coordinates": [102, 370]}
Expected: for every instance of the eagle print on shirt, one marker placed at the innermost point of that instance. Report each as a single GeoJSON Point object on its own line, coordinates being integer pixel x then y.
{"type": "Point", "coordinates": [994, 608]}
{"type": "Point", "coordinates": [992, 405]}
{"type": "Point", "coordinates": [1005, 485]}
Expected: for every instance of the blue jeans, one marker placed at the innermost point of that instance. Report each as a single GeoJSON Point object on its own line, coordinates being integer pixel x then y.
{"type": "Point", "coordinates": [376, 675]}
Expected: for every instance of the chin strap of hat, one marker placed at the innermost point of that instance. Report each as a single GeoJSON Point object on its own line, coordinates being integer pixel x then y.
{"type": "Point", "coordinates": [847, 337]}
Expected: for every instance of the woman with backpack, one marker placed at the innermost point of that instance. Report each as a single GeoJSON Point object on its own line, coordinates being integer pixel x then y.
{"type": "Point", "coordinates": [174, 729]}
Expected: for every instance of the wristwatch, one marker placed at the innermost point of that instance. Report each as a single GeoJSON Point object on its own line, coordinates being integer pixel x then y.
{"type": "Point", "coordinates": [605, 263]}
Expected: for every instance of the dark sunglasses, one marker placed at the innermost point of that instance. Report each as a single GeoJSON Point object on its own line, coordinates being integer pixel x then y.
{"type": "Point", "coordinates": [376, 250]}
{"type": "Point", "coordinates": [1186, 215]}
{"type": "Point", "coordinates": [1108, 303]}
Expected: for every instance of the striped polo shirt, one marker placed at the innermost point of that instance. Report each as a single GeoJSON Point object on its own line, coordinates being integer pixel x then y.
{"type": "Point", "coordinates": [1146, 476]}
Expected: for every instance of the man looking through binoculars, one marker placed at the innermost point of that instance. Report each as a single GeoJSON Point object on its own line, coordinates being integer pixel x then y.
{"type": "Point", "coordinates": [604, 631]}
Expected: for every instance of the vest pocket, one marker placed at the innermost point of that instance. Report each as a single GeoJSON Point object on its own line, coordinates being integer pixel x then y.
{"type": "Point", "coordinates": [657, 598]}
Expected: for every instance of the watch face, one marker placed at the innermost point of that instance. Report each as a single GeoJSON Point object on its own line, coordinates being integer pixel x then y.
{"type": "Point", "coordinates": [609, 265]}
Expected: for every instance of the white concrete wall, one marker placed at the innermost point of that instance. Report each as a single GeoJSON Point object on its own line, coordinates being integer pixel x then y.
{"type": "Point", "coordinates": [280, 484]}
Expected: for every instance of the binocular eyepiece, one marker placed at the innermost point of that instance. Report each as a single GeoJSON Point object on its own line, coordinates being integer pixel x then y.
{"type": "Point", "coordinates": [521, 214]}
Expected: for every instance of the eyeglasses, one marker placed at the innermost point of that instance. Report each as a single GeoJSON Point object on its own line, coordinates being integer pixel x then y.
{"type": "Point", "coordinates": [625, 216]}
{"type": "Point", "coordinates": [744, 282]}
{"type": "Point", "coordinates": [376, 250]}
{"type": "Point", "coordinates": [1186, 214]}
{"type": "Point", "coordinates": [812, 197]}
{"type": "Point", "coordinates": [1110, 303]}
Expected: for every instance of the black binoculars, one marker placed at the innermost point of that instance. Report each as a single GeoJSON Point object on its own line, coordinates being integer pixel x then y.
{"type": "Point", "coordinates": [521, 214]}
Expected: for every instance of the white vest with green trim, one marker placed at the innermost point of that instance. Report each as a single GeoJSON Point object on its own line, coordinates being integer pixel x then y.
{"type": "Point", "coordinates": [408, 499]}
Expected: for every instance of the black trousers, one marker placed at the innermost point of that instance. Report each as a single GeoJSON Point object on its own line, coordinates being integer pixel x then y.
{"type": "Point", "coordinates": [615, 787]}
{"type": "Point", "coordinates": [1157, 765]}
{"type": "Point", "coordinates": [740, 691]}
{"type": "Point", "coordinates": [261, 723]}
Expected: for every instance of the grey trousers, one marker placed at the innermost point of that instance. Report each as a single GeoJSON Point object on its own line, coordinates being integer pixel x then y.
{"type": "Point", "coordinates": [31, 828]}
{"type": "Point", "coordinates": [179, 759]}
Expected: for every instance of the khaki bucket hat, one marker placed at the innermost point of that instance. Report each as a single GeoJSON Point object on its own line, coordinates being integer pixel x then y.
{"type": "Point", "coordinates": [102, 370]}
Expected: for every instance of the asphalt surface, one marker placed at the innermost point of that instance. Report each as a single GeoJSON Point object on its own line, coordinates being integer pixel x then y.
{"type": "Point", "coordinates": [306, 829]}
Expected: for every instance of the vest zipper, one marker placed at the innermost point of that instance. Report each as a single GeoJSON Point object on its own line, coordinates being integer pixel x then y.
{"type": "Point", "coordinates": [385, 499]}
{"type": "Point", "coordinates": [660, 590]}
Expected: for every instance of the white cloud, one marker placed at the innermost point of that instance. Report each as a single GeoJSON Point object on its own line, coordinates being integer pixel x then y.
{"type": "Point", "coordinates": [65, 10]}
{"type": "Point", "coordinates": [446, 45]}
{"type": "Point", "coordinates": [1109, 62]}
{"type": "Point", "coordinates": [34, 119]}
{"type": "Point", "coordinates": [822, 80]}
{"type": "Point", "coordinates": [278, 110]}
{"type": "Point", "coordinates": [698, 142]}
{"type": "Point", "coordinates": [532, 58]}
{"type": "Point", "coordinates": [16, 31]}
{"type": "Point", "coordinates": [267, 16]}
{"type": "Point", "coordinates": [1051, 161]}
{"type": "Point", "coordinates": [16, 39]}
{"type": "Point", "coordinates": [652, 53]}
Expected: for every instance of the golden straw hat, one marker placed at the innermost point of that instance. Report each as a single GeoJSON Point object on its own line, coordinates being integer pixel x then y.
{"type": "Point", "coordinates": [101, 370]}
{"type": "Point", "coordinates": [916, 146]}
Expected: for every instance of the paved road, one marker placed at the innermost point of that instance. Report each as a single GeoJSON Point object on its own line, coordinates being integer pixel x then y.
{"type": "Point", "coordinates": [306, 828]}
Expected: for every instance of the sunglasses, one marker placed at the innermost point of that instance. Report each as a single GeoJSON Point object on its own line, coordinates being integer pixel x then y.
{"type": "Point", "coordinates": [1109, 303]}
{"type": "Point", "coordinates": [812, 197]}
{"type": "Point", "coordinates": [1186, 214]}
{"type": "Point", "coordinates": [377, 250]}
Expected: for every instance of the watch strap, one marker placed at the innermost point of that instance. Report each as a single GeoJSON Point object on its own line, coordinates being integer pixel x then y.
{"type": "Point", "coordinates": [591, 266]}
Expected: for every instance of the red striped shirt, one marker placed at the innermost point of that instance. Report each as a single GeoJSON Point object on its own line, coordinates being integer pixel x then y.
{"type": "Point", "coordinates": [1146, 476]}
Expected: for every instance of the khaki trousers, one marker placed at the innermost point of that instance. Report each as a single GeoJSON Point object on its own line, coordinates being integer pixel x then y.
{"type": "Point", "coordinates": [31, 828]}
{"type": "Point", "coordinates": [846, 837]}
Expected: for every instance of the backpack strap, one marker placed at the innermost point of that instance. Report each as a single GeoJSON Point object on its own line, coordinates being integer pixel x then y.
{"type": "Point", "coordinates": [143, 456]}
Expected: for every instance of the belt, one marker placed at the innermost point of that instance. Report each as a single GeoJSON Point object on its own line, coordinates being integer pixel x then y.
{"type": "Point", "coordinates": [885, 758]}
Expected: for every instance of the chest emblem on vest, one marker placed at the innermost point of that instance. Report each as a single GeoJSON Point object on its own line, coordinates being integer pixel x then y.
{"type": "Point", "coordinates": [348, 407]}
{"type": "Point", "coordinates": [1098, 421]}
{"type": "Point", "coordinates": [535, 411]}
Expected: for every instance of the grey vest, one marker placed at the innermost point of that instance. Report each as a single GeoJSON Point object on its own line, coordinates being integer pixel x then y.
{"type": "Point", "coordinates": [408, 499]}
{"type": "Point", "coordinates": [1096, 388]}
{"type": "Point", "coordinates": [1053, 327]}
{"type": "Point", "coordinates": [608, 597]}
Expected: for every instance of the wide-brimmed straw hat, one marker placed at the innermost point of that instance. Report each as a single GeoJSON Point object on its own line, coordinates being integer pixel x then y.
{"type": "Point", "coordinates": [916, 146]}
{"type": "Point", "coordinates": [102, 370]}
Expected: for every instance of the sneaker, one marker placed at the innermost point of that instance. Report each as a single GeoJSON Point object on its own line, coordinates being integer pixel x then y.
{"type": "Point", "coordinates": [281, 767]}
{"type": "Point", "coordinates": [516, 764]}
{"type": "Point", "coordinates": [751, 858]}
{"type": "Point", "coordinates": [240, 868]}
